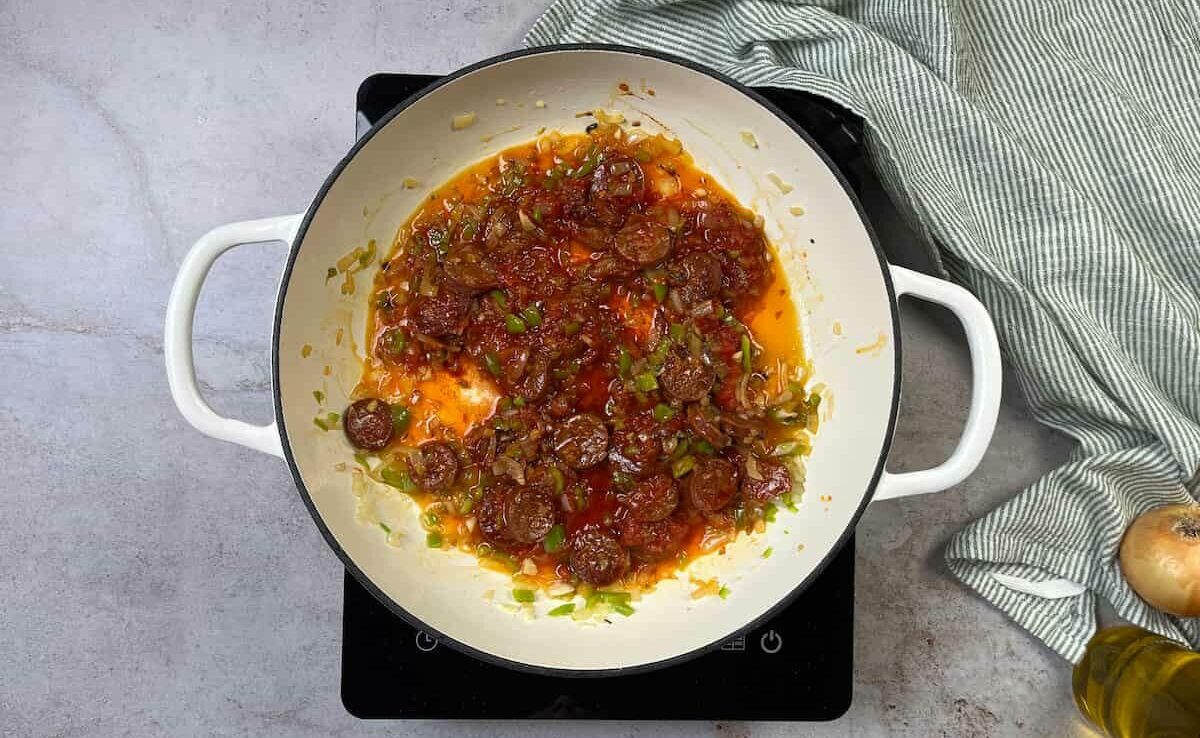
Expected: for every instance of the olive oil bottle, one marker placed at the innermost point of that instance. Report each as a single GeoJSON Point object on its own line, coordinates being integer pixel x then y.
{"type": "Point", "coordinates": [1136, 684]}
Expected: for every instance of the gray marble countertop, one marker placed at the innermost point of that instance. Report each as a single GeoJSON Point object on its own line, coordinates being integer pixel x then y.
{"type": "Point", "coordinates": [162, 583]}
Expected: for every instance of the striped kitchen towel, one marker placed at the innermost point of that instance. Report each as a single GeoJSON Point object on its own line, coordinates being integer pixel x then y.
{"type": "Point", "coordinates": [1049, 154]}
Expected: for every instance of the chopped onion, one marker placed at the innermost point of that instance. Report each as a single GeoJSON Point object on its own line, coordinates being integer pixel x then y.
{"type": "Point", "coordinates": [611, 117]}
{"type": "Point", "coordinates": [528, 568]}
{"type": "Point", "coordinates": [560, 589]}
{"type": "Point", "coordinates": [752, 469]}
{"type": "Point", "coordinates": [776, 180]}
{"type": "Point", "coordinates": [461, 121]}
{"type": "Point", "coordinates": [506, 466]}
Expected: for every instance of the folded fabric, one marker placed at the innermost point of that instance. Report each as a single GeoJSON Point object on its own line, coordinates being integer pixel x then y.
{"type": "Point", "coordinates": [1049, 154]}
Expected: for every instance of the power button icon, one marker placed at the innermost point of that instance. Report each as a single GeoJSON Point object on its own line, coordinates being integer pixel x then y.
{"type": "Point", "coordinates": [771, 642]}
{"type": "Point", "coordinates": [426, 642]}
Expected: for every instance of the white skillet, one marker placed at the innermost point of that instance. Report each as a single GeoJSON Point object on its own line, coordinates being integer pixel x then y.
{"type": "Point", "coordinates": [845, 291]}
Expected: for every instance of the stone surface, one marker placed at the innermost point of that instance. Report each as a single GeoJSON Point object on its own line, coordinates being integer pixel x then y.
{"type": "Point", "coordinates": [161, 583]}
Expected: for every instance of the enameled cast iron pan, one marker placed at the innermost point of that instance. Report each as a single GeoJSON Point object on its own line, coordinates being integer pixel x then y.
{"type": "Point", "coordinates": [837, 275]}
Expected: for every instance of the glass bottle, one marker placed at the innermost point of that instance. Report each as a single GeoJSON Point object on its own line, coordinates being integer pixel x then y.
{"type": "Point", "coordinates": [1132, 683]}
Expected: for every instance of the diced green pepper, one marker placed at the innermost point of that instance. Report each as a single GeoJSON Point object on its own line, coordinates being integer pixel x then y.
{"type": "Point", "coordinates": [663, 412]}
{"type": "Point", "coordinates": [677, 331]}
{"type": "Point", "coordinates": [645, 382]}
{"type": "Point", "coordinates": [492, 362]}
{"type": "Point", "coordinates": [660, 292]}
{"type": "Point", "coordinates": [623, 608]}
{"type": "Point", "coordinates": [399, 479]}
{"type": "Point", "coordinates": [401, 419]}
{"type": "Point", "coordinates": [624, 361]}
{"type": "Point", "coordinates": [514, 324]}
{"type": "Point", "coordinates": [554, 539]}
{"type": "Point", "coordinates": [557, 477]}
{"type": "Point", "coordinates": [571, 328]}
{"type": "Point", "coordinates": [699, 445]}
{"type": "Point", "coordinates": [524, 595]}
{"type": "Point", "coordinates": [769, 513]}
{"type": "Point", "coordinates": [394, 341]}
{"type": "Point", "coordinates": [747, 356]}
{"type": "Point", "coordinates": [561, 610]}
{"type": "Point", "coordinates": [383, 525]}
{"type": "Point", "coordinates": [682, 466]}
{"type": "Point", "coordinates": [319, 396]}
{"type": "Point", "coordinates": [532, 316]}
{"type": "Point", "coordinates": [723, 592]}
{"type": "Point", "coordinates": [499, 298]}
{"type": "Point", "coordinates": [433, 539]}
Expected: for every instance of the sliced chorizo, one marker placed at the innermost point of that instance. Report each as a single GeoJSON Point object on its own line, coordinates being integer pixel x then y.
{"type": "Point", "coordinates": [467, 266]}
{"type": "Point", "coordinates": [712, 484]}
{"type": "Point", "coordinates": [695, 277]}
{"type": "Point", "coordinates": [685, 377]}
{"type": "Point", "coordinates": [656, 540]}
{"type": "Point", "coordinates": [581, 441]}
{"type": "Point", "coordinates": [653, 498]}
{"type": "Point", "coordinates": [443, 314]}
{"type": "Point", "coordinates": [368, 424]}
{"type": "Point", "coordinates": [529, 514]}
{"type": "Point", "coordinates": [437, 467]}
{"type": "Point", "coordinates": [705, 424]}
{"type": "Point", "coordinates": [644, 241]}
{"type": "Point", "coordinates": [617, 185]}
{"type": "Point", "coordinates": [597, 557]}
{"type": "Point", "coordinates": [764, 479]}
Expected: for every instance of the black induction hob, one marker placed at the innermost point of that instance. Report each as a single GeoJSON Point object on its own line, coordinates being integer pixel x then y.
{"type": "Point", "coordinates": [798, 666]}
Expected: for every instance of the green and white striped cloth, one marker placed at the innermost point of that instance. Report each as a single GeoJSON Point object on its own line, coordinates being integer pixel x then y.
{"type": "Point", "coordinates": [1051, 151]}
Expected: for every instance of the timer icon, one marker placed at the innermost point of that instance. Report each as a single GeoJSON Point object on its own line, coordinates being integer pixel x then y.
{"type": "Point", "coordinates": [426, 642]}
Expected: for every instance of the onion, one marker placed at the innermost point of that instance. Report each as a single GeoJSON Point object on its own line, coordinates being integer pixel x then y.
{"type": "Point", "coordinates": [752, 470]}
{"type": "Point", "coordinates": [1160, 558]}
{"type": "Point", "coordinates": [506, 466]}
{"type": "Point", "coordinates": [526, 223]}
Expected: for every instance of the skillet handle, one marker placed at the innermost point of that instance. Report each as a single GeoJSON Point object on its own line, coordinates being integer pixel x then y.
{"type": "Point", "coordinates": [177, 337]}
{"type": "Point", "coordinates": [986, 382]}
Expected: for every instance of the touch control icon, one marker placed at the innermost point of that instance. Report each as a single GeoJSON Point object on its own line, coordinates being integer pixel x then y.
{"type": "Point", "coordinates": [771, 642]}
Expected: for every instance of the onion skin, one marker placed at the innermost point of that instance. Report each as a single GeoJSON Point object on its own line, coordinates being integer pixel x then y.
{"type": "Point", "coordinates": [1160, 558]}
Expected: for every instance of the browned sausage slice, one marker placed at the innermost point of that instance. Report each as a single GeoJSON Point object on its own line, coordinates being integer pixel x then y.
{"type": "Point", "coordinates": [654, 540]}
{"type": "Point", "coordinates": [644, 240]}
{"type": "Point", "coordinates": [706, 427]}
{"type": "Point", "coordinates": [712, 484]}
{"type": "Point", "coordinates": [528, 515]}
{"type": "Point", "coordinates": [685, 377]}
{"type": "Point", "coordinates": [617, 185]}
{"type": "Point", "coordinates": [368, 424]}
{"type": "Point", "coordinates": [695, 277]}
{"type": "Point", "coordinates": [438, 467]}
{"type": "Point", "coordinates": [581, 441]}
{"type": "Point", "coordinates": [443, 314]}
{"type": "Point", "coordinates": [653, 499]}
{"type": "Point", "coordinates": [467, 266]}
{"type": "Point", "coordinates": [597, 557]}
{"type": "Point", "coordinates": [764, 479]}
{"type": "Point", "coordinates": [489, 514]}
